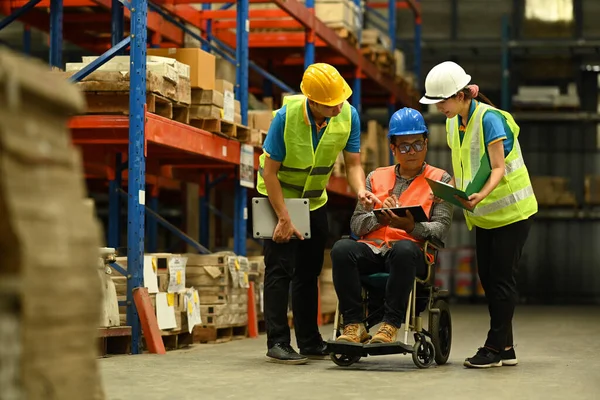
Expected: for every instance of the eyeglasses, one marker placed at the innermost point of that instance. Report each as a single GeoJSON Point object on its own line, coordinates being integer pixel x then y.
{"type": "Point", "coordinates": [404, 148]}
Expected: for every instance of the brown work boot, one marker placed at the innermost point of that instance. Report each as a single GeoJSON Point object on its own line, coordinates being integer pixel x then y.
{"type": "Point", "coordinates": [385, 334]}
{"type": "Point", "coordinates": [354, 333]}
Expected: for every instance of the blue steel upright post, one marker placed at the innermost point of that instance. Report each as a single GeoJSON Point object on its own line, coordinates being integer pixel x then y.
{"type": "Point", "coordinates": [114, 205]}
{"type": "Point", "coordinates": [392, 24]}
{"type": "Point", "coordinates": [505, 63]}
{"type": "Point", "coordinates": [417, 64]}
{"type": "Point", "coordinates": [206, 46]}
{"type": "Point", "coordinates": [27, 40]}
{"type": "Point", "coordinates": [309, 41]}
{"type": "Point", "coordinates": [356, 89]}
{"type": "Point", "coordinates": [241, 198]}
{"type": "Point", "coordinates": [392, 35]}
{"type": "Point", "coordinates": [116, 19]}
{"type": "Point", "coordinates": [56, 33]}
{"type": "Point", "coordinates": [137, 164]}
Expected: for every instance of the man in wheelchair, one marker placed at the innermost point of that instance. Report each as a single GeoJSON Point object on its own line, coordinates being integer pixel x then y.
{"type": "Point", "coordinates": [390, 243]}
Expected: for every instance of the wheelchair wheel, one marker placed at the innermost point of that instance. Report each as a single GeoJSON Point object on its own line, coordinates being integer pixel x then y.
{"type": "Point", "coordinates": [343, 360]}
{"type": "Point", "coordinates": [423, 353]}
{"type": "Point", "coordinates": [440, 327]}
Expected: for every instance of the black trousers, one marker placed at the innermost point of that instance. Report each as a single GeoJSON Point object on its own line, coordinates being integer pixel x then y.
{"type": "Point", "coordinates": [299, 262]}
{"type": "Point", "coordinates": [498, 254]}
{"type": "Point", "coordinates": [352, 259]}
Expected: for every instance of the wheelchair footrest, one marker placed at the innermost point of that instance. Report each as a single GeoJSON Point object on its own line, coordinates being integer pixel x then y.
{"type": "Point", "coordinates": [346, 348]}
{"type": "Point", "coordinates": [381, 349]}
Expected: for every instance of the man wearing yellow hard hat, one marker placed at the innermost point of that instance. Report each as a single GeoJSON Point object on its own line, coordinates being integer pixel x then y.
{"type": "Point", "coordinates": [306, 136]}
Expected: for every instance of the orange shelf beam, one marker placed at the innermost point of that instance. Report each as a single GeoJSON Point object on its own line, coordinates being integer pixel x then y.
{"type": "Point", "coordinates": [167, 140]}
{"type": "Point", "coordinates": [14, 4]}
{"type": "Point", "coordinates": [156, 23]}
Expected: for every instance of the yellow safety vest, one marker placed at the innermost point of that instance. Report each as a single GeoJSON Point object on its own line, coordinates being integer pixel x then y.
{"type": "Point", "coordinates": [513, 199]}
{"type": "Point", "coordinates": [305, 172]}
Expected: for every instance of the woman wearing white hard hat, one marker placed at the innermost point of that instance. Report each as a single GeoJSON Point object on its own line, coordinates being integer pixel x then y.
{"type": "Point", "coordinates": [501, 210]}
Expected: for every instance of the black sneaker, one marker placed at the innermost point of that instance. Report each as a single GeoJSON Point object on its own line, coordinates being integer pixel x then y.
{"type": "Point", "coordinates": [283, 353]}
{"type": "Point", "coordinates": [318, 352]}
{"type": "Point", "coordinates": [485, 358]}
{"type": "Point", "coordinates": [509, 357]}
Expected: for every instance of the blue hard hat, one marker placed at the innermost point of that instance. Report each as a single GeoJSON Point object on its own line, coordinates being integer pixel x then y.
{"type": "Point", "coordinates": [406, 121]}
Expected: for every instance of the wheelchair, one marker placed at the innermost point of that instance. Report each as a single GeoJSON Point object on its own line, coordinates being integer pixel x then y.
{"type": "Point", "coordinates": [431, 344]}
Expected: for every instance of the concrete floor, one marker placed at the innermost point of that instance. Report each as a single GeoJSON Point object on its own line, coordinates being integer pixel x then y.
{"type": "Point", "coordinates": [558, 349]}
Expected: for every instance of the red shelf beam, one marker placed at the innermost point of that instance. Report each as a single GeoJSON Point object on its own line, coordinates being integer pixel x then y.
{"type": "Point", "coordinates": [167, 141]}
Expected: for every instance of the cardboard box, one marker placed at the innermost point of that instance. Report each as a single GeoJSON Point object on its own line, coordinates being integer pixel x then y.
{"type": "Point", "coordinates": [206, 112]}
{"type": "Point", "coordinates": [237, 118]}
{"type": "Point", "coordinates": [260, 119]}
{"type": "Point", "coordinates": [207, 97]}
{"type": "Point", "coordinates": [225, 70]}
{"type": "Point", "coordinates": [202, 65]}
{"type": "Point", "coordinates": [237, 107]}
{"type": "Point", "coordinates": [222, 86]}
{"type": "Point", "coordinates": [228, 106]}
{"type": "Point", "coordinates": [339, 14]}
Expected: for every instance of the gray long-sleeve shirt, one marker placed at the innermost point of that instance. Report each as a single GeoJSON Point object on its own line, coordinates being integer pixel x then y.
{"type": "Point", "coordinates": [364, 221]}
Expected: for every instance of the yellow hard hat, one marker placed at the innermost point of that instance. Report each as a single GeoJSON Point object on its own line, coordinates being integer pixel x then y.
{"type": "Point", "coordinates": [323, 84]}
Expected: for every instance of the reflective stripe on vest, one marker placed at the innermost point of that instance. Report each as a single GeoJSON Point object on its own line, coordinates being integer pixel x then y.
{"type": "Point", "coordinates": [305, 172]}
{"type": "Point", "coordinates": [418, 192]}
{"type": "Point", "coordinates": [513, 199]}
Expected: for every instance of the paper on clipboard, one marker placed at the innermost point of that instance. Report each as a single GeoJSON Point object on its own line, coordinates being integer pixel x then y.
{"type": "Point", "coordinates": [448, 192]}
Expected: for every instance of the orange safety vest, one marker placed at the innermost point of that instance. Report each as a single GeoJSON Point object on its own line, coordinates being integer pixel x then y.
{"type": "Point", "coordinates": [383, 181]}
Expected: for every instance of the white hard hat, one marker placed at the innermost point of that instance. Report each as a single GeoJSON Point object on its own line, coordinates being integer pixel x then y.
{"type": "Point", "coordinates": [444, 81]}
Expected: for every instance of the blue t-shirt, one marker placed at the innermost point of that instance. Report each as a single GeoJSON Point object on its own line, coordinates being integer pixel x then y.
{"type": "Point", "coordinates": [494, 128]}
{"type": "Point", "coordinates": [274, 144]}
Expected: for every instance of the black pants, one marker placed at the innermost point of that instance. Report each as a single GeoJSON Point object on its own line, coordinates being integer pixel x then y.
{"type": "Point", "coordinates": [352, 259]}
{"type": "Point", "coordinates": [498, 254]}
{"type": "Point", "coordinates": [299, 262]}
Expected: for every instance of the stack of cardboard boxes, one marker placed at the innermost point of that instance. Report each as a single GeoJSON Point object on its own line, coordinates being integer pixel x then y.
{"type": "Point", "coordinates": [50, 294]}
{"type": "Point", "coordinates": [203, 296]}
{"type": "Point", "coordinates": [212, 98]}
{"type": "Point", "coordinates": [553, 191]}
{"type": "Point", "coordinates": [343, 16]}
{"type": "Point", "coordinates": [259, 122]}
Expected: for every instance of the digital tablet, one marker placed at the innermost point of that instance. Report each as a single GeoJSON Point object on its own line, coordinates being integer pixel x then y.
{"type": "Point", "coordinates": [417, 212]}
{"type": "Point", "coordinates": [264, 219]}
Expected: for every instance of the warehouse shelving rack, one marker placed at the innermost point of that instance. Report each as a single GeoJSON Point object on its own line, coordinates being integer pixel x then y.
{"type": "Point", "coordinates": [154, 146]}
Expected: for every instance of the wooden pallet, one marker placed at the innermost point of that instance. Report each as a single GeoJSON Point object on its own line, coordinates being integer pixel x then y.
{"type": "Point", "coordinates": [348, 35]}
{"type": "Point", "coordinates": [223, 128]}
{"type": "Point", "coordinates": [174, 340]}
{"type": "Point", "coordinates": [106, 102]}
{"type": "Point", "coordinates": [381, 57]}
{"type": "Point", "coordinates": [114, 340]}
{"type": "Point", "coordinates": [213, 334]}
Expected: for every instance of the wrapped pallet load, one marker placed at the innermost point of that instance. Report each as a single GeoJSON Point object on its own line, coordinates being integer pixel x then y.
{"type": "Point", "coordinates": [50, 294]}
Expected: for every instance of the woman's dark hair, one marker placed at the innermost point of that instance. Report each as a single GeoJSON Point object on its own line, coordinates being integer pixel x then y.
{"type": "Point", "coordinates": [480, 96]}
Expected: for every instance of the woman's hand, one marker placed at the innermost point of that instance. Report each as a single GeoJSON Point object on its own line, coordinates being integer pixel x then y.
{"type": "Point", "coordinates": [474, 199]}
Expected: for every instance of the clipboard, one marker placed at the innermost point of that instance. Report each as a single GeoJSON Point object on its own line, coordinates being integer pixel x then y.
{"type": "Point", "coordinates": [264, 219]}
{"type": "Point", "coordinates": [416, 211]}
{"type": "Point", "coordinates": [447, 192]}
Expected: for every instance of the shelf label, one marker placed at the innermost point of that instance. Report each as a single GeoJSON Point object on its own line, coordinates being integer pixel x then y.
{"type": "Point", "coordinates": [245, 212]}
{"type": "Point", "coordinates": [142, 197]}
{"type": "Point", "coordinates": [224, 151]}
{"type": "Point", "coordinates": [247, 166]}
